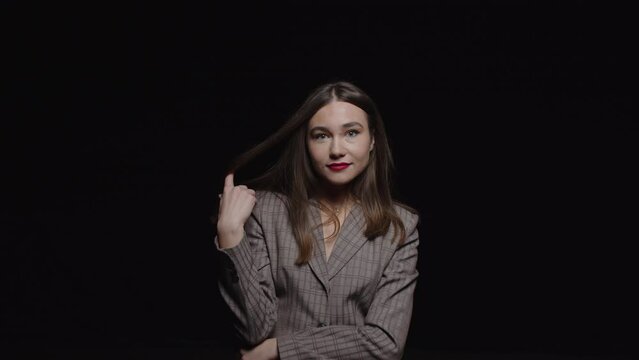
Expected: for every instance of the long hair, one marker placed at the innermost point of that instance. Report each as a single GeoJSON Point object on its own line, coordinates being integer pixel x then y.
{"type": "Point", "coordinates": [292, 174]}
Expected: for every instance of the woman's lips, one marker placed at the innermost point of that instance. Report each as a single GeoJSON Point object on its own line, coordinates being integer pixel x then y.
{"type": "Point", "coordinates": [338, 167]}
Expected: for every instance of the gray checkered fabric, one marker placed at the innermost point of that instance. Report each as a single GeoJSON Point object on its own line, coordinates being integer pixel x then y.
{"type": "Point", "coordinates": [356, 305]}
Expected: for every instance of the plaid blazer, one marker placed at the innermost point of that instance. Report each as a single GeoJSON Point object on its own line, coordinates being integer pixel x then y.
{"type": "Point", "coordinates": [356, 305]}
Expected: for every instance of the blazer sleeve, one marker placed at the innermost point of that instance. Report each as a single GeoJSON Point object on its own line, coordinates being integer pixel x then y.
{"type": "Point", "coordinates": [385, 330]}
{"type": "Point", "coordinates": [246, 284]}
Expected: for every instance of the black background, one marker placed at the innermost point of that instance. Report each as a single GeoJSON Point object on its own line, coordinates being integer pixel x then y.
{"type": "Point", "coordinates": [511, 124]}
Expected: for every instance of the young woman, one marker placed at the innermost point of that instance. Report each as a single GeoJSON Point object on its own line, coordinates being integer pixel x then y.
{"type": "Point", "coordinates": [319, 261]}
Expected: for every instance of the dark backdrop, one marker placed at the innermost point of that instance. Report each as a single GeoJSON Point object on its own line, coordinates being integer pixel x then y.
{"type": "Point", "coordinates": [511, 125]}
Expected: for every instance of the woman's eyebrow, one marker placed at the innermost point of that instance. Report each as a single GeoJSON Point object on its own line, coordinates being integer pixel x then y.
{"type": "Point", "coordinates": [345, 126]}
{"type": "Point", "coordinates": [352, 124]}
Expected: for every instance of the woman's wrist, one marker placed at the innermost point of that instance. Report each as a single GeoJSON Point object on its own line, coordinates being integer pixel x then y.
{"type": "Point", "coordinates": [229, 237]}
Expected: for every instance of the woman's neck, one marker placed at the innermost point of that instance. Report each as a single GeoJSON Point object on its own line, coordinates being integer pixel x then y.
{"type": "Point", "coordinates": [335, 199]}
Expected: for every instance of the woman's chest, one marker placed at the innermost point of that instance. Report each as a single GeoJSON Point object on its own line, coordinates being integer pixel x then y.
{"type": "Point", "coordinates": [346, 273]}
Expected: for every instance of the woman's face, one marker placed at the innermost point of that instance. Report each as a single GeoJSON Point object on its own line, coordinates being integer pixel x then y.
{"type": "Point", "coordinates": [339, 142]}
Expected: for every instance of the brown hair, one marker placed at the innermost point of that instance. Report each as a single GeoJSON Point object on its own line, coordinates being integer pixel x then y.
{"type": "Point", "coordinates": [293, 175]}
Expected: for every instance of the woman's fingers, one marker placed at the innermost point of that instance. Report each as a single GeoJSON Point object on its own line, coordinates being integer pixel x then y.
{"type": "Point", "coordinates": [236, 205]}
{"type": "Point", "coordinates": [236, 201]}
{"type": "Point", "coordinates": [228, 181]}
{"type": "Point", "coordinates": [237, 190]}
{"type": "Point", "coordinates": [229, 185]}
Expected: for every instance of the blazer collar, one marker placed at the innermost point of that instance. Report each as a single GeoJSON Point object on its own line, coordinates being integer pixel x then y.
{"type": "Point", "coordinates": [318, 258]}
{"type": "Point", "coordinates": [349, 240]}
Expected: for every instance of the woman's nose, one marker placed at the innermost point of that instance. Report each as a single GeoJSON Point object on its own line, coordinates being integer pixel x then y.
{"type": "Point", "coordinates": [337, 149]}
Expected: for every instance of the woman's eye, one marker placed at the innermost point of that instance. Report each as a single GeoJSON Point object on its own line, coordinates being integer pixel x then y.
{"type": "Point", "coordinates": [352, 133]}
{"type": "Point", "coordinates": [319, 136]}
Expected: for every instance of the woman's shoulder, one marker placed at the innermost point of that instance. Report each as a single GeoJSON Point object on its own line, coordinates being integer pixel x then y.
{"type": "Point", "coordinates": [409, 215]}
{"type": "Point", "coordinates": [268, 195]}
{"type": "Point", "coordinates": [269, 201]}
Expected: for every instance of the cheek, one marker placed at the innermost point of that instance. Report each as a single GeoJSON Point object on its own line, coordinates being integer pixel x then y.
{"type": "Point", "coordinates": [314, 153]}
{"type": "Point", "coordinates": [363, 153]}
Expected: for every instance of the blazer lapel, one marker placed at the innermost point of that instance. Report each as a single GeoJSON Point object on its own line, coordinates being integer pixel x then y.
{"type": "Point", "coordinates": [318, 258]}
{"type": "Point", "coordinates": [350, 239]}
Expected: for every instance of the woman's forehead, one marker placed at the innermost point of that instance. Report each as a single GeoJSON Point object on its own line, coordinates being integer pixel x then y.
{"type": "Point", "coordinates": [338, 114]}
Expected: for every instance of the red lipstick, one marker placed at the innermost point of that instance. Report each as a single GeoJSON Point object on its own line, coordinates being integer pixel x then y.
{"type": "Point", "coordinates": [338, 166]}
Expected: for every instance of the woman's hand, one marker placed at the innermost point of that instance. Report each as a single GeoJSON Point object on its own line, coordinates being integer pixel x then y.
{"type": "Point", "coordinates": [236, 204]}
{"type": "Point", "coordinates": [267, 350]}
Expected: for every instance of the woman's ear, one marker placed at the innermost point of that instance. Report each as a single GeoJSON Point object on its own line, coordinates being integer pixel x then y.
{"type": "Point", "coordinates": [372, 144]}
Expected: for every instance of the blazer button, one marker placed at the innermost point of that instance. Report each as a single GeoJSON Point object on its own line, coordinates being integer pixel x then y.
{"type": "Point", "coordinates": [322, 324]}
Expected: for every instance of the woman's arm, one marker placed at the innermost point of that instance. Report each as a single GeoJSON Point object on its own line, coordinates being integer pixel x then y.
{"type": "Point", "coordinates": [384, 333]}
{"type": "Point", "coordinates": [246, 284]}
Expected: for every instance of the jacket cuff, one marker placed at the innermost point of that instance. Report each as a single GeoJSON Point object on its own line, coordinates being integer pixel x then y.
{"type": "Point", "coordinates": [237, 257]}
